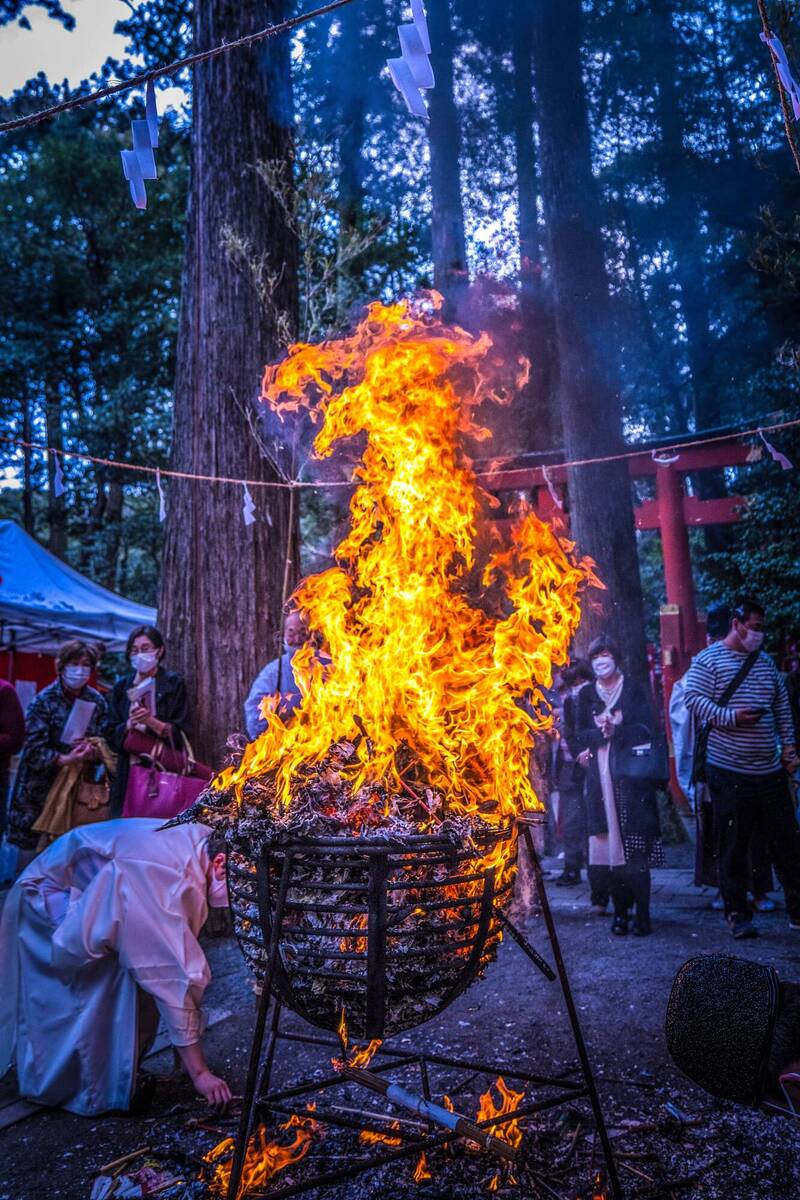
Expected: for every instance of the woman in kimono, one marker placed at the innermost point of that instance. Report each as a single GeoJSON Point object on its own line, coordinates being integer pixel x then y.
{"type": "Point", "coordinates": [622, 815]}
{"type": "Point", "coordinates": [99, 935]}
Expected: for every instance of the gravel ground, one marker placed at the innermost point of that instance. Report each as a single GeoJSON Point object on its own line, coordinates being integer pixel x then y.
{"type": "Point", "coordinates": [513, 1017]}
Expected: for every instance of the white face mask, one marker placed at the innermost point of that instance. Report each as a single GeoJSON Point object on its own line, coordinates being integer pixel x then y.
{"type": "Point", "coordinates": [218, 892]}
{"type": "Point", "coordinates": [603, 666]}
{"type": "Point", "coordinates": [751, 639]}
{"type": "Point", "coordinates": [76, 677]}
{"type": "Point", "coordinates": [144, 662]}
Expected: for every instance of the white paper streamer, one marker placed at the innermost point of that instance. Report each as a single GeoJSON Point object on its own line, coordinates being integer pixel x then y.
{"type": "Point", "coordinates": [58, 476]}
{"type": "Point", "coordinates": [554, 496]}
{"type": "Point", "coordinates": [790, 84]}
{"type": "Point", "coordinates": [775, 455]}
{"type": "Point", "coordinates": [663, 459]}
{"type": "Point", "coordinates": [162, 507]}
{"type": "Point", "coordinates": [139, 163]}
{"type": "Point", "coordinates": [248, 507]}
{"type": "Point", "coordinates": [412, 72]}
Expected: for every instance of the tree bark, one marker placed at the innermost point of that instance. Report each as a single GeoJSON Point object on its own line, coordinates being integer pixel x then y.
{"type": "Point", "coordinates": [351, 131]}
{"type": "Point", "coordinates": [601, 504]}
{"type": "Point", "coordinates": [221, 581]}
{"type": "Point", "coordinates": [27, 466]}
{"type": "Point", "coordinates": [450, 275]}
{"type": "Point", "coordinates": [538, 333]}
{"type": "Point", "coordinates": [54, 433]}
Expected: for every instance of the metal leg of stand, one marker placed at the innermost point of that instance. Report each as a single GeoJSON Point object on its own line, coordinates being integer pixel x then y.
{"type": "Point", "coordinates": [249, 1097]}
{"type": "Point", "coordinates": [577, 1032]}
{"type": "Point", "coordinates": [269, 1057]}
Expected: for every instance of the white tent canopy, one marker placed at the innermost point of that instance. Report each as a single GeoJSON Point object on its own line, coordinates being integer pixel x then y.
{"type": "Point", "coordinates": [43, 601]}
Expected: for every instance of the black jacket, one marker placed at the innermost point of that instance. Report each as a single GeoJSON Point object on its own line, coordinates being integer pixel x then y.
{"type": "Point", "coordinates": [638, 723]}
{"type": "Point", "coordinates": [172, 705]}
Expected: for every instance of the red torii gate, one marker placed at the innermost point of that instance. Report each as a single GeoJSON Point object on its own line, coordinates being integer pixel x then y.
{"type": "Point", "coordinates": [673, 512]}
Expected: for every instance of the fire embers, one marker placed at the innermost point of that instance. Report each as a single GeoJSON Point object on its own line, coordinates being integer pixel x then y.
{"type": "Point", "coordinates": [391, 936]}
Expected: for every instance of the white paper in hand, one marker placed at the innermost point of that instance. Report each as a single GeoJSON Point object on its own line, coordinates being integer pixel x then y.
{"type": "Point", "coordinates": [144, 693]}
{"type": "Point", "coordinates": [77, 722]}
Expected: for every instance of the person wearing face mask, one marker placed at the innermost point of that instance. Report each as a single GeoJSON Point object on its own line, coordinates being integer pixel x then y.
{"type": "Point", "coordinates": [277, 677]}
{"type": "Point", "coordinates": [621, 813]}
{"type": "Point", "coordinates": [737, 696]}
{"type": "Point", "coordinates": [569, 778]}
{"type": "Point", "coordinates": [43, 751]}
{"type": "Point", "coordinates": [99, 939]}
{"type": "Point", "coordinates": [145, 651]}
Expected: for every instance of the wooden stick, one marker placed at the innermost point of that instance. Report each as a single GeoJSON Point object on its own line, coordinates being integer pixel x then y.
{"type": "Point", "coordinates": [120, 1162]}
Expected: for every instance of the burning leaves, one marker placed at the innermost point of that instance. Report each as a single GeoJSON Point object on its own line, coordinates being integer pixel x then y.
{"type": "Point", "coordinates": [264, 1159]}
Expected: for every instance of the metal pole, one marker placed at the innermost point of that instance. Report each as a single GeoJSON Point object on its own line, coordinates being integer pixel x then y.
{"type": "Point", "coordinates": [577, 1032]}
{"type": "Point", "coordinates": [248, 1099]}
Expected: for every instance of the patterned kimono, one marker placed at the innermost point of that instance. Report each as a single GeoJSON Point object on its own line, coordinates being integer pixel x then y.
{"type": "Point", "coordinates": [44, 723]}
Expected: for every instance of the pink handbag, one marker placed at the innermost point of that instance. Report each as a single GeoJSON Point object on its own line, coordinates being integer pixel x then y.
{"type": "Point", "coordinates": [154, 793]}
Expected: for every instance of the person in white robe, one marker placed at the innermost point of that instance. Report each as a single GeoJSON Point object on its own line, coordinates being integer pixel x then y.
{"type": "Point", "coordinates": [101, 925]}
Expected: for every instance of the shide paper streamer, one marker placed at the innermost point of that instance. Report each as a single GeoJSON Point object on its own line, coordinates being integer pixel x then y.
{"type": "Point", "coordinates": [248, 507]}
{"type": "Point", "coordinates": [790, 84]}
{"type": "Point", "coordinates": [58, 476]}
{"type": "Point", "coordinates": [162, 507]}
{"type": "Point", "coordinates": [412, 72]}
{"type": "Point", "coordinates": [776, 455]}
{"type": "Point", "coordinates": [139, 163]}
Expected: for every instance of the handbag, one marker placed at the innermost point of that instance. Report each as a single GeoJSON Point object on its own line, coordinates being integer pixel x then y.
{"type": "Point", "coordinates": [702, 735]}
{"type": "Point", "coordinates": [144, 744]}
{"type": "Point", "coordinates": [91, 802]}
{"type": "Point", "coordinates": [162, 794]}
{"type": "Point", "coordinates": [641, 756]}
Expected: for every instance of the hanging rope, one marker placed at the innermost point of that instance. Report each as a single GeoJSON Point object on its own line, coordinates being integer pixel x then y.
{"type": "Point", "coordinates": [323, 485]}
{"type": "Point", "coordinates": [190, 61]}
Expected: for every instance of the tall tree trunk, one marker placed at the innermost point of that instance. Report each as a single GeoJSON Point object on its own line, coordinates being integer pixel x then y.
{"type": "Point", "coordinates": [54, 433]}
{"type": "Point", "coordinates": [450, 274]}
{"type": "Point", "coordinates": [351, 130]}
{"type": "Point", "coordinates": [221, 581]}
{"type": "Point", "coordinates": [541, 424]}
{"type": "Point", "coordinates": [27, 466]}
{"type": "Point", "coordinates": [601, 504]}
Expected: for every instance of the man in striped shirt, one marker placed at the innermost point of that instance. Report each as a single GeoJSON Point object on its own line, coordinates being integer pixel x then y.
{"type": "Point", "coordinates": [750, 747]}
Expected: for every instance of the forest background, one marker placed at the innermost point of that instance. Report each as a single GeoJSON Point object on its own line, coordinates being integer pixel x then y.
{"type": "Point", "coordinates": [688, 323]}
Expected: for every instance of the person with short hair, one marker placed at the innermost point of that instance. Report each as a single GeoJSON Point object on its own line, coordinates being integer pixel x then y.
{"type": "Point", "coordinates": [145, 652]}
{"type": "Point", "coordinates": [98, 939]}
{"type": "Point", "coordinates": [622, 814]}
{"type": "Point", "coordinates": [277, 677]}
{"type": "Point", "coordinates": [44, 751]}
{"type": "Point", "coordinates": [750, 748]}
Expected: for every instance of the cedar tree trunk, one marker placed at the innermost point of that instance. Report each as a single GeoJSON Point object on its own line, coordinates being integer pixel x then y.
{"type": "Point", "coordinates": [221, 581]}
{"type": "Point", "coordinates": [601, 505]}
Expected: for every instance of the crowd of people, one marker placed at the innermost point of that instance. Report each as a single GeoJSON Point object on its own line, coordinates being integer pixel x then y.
{"type": "Point", "coordinates": [734, 722]}
{"type": "Point", "coordinates": [100, 931]}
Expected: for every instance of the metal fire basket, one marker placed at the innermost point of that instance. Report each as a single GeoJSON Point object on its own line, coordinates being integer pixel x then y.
{"type": "Point", "coordinates": [390, 930]}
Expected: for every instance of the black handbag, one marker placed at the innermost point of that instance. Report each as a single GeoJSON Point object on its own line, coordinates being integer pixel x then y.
{"type": "Point", "coordinates": [701, 737]}
{"type": "Point", "coordinates": [639, 755]}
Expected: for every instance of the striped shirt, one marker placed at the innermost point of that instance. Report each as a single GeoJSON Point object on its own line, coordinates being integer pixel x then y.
{"type": "Point", "coordinates": [752, 749]}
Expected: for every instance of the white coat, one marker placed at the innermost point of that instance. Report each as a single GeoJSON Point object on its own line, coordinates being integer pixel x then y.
{"type": "Point", "coordinates": [105, 909]}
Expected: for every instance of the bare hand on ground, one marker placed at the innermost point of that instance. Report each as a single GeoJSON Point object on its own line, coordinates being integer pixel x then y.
{"type": "Point", "coordinates": [213, 1089]}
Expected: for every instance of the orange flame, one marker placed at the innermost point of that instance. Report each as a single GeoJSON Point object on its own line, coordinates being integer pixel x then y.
{"type": "Point", "coordinates": [263, 1159]}
{"type": "Point", "coordinates": [433, 636]}
{"type": "Point", "coordinates": [361, 1057]}
{"type": "Point", "coordinates": [421, 1171]}
{"type": "Point", "coordinates": [509, 1131]}
{"type": "Point", "coordinates": [370, 1137]}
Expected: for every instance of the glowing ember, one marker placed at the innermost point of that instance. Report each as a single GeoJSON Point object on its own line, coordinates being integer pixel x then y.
{"type": "Point", "coordinates": [421, 1171]}
{"type": "Point", "coordinates": [434, 630]}
{"type": "Point", "coordinates": [264, 1159]}
{"type": "Point", "coordinates": [369, 1137]}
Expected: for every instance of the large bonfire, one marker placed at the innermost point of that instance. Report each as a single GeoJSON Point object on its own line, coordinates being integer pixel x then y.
{"type": "Point", "coordinates": [418, 713]}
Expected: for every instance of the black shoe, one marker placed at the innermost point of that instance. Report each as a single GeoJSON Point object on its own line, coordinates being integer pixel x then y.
{"type": "Point", "coordinates": [619, 926]}
{"type": "Point", "coordinates": [642, 927]}
{"type": "Point", "coordinates": [742, 927]}
{"type": "Point", "coordinates": [568, 879]}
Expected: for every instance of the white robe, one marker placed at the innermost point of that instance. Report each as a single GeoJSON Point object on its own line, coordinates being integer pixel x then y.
{"type": "Point", "coordinates": [107, 907]}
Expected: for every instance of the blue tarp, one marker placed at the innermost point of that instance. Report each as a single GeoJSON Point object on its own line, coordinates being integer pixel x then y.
{"type": "Point", "coordinates": [43, 601]}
